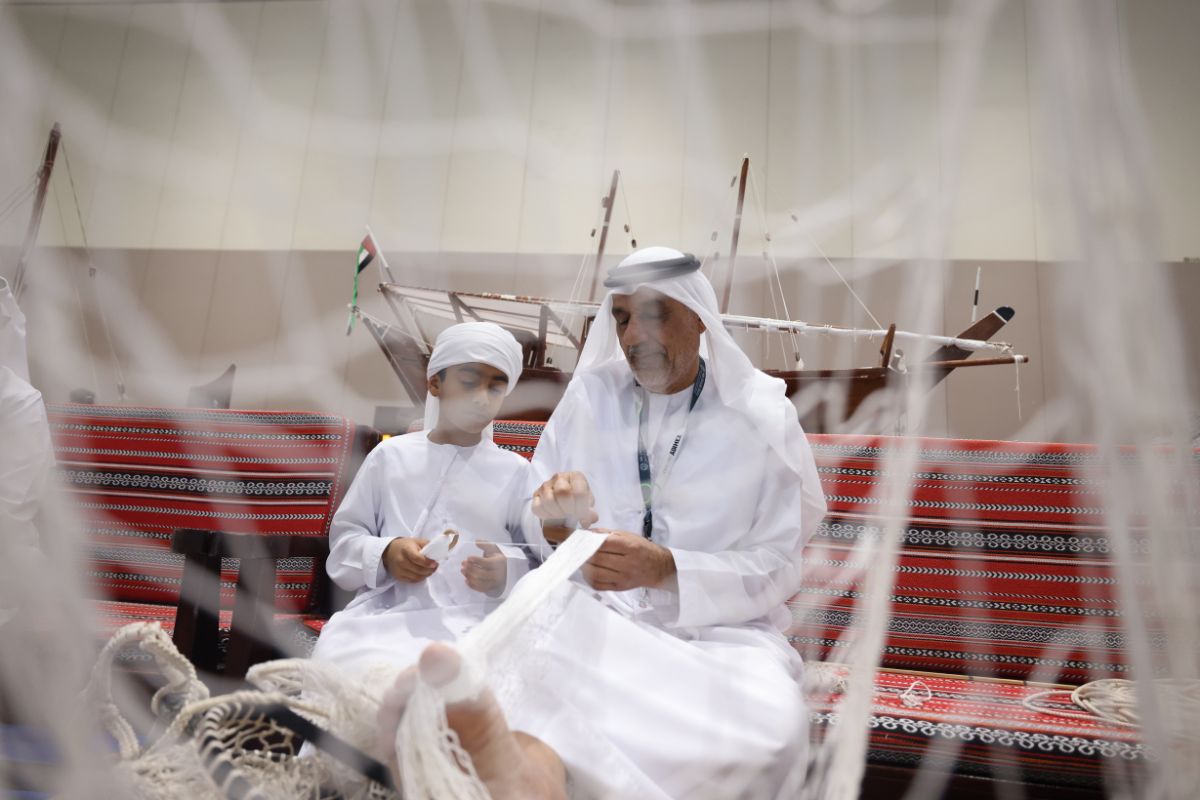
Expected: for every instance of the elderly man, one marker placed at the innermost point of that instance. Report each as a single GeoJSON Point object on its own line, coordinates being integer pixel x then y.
{"type": "Point", "coordinates": [671, 439]}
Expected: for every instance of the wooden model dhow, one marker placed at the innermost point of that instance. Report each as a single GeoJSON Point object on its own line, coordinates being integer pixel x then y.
{"type": "Point", "coordinates": [552, 333]}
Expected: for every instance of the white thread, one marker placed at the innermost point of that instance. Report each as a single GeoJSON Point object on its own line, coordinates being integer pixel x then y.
{"type": "Point", "coordinates": [820, 677]}
{"type": "Point", "coordinates": [439, 547]}
{"type": "Point", "coordinates": [179, 672]}
{"type": "Point", "coordinates": [1113, 700]}
{"type": "Point", "coordinates": [916, 695]}
{"type": "Point", "coordinates": [769, 256]}
{"type": "Point", "coordinates": [1017, 389]}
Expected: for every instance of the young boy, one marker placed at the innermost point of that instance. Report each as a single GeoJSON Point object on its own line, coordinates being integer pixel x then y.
{"type": "Point", "coordinates": [411, 489]}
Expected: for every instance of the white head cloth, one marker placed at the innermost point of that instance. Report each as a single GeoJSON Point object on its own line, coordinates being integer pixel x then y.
{"type": "Point", "coordinates": [739, 384]}
{"type": "Point", "coordinates": [473, 343]}
{"type": "Point", "coordinates": [12, 334]}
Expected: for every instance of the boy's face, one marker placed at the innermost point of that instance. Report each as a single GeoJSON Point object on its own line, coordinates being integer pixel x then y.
{"type": "Point", "coordinates": [469, 395]}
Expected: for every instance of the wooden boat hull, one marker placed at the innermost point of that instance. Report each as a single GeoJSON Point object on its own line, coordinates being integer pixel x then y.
{"type": "Point", "coordinates": [824, 398]}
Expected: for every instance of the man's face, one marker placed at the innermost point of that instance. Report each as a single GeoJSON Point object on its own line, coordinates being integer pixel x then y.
{"type": "Point", "coordinates": [660, 338]}
{"type": "Point", "coordinates": [469, 395]}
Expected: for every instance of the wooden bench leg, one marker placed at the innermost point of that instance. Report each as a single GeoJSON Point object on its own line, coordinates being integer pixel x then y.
{"type": "Point", "coordinates": [196, 619]}
{"type": "Point", "coordinates": [253, 616]}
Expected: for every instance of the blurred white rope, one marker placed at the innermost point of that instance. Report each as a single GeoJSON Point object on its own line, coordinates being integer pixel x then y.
{"type": "Point", "coordinates": [16, 198]}
{"type": "Point", "coordinates": [1114, 700]}
{"type": "Point", "coordinates": [769, 256]}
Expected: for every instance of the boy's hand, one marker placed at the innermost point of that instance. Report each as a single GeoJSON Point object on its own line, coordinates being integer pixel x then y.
{"type": "Point", "coordinates": [487, 573]}
{"type": "Point", "coordinates": [403, 560]}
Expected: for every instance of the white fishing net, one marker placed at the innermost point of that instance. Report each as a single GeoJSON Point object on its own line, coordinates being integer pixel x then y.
{"type": "Point", "coordinates": [219, 163]}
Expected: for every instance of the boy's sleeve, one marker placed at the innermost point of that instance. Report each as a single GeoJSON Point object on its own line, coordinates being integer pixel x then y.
{"type": "Point", "coordinates": [355, 546]}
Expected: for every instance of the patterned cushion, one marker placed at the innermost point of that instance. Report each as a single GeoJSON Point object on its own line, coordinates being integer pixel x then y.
{"type": "Point", "coordinates": [1004, 569]}
{"type": "Point", "coordinates": [519, 436]}
{"type": "Point", "coordinates": [983, 727]}
{"type": "Point", "coordinates": [137, 474]}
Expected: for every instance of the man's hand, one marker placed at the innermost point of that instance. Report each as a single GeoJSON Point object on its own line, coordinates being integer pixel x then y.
{"type": "Point", "coordinates": [487, 573]}
{"type": "Point", "coordinates": [403, 560]}
{"type": "Point", "coordinates": [563, 499]}
{"type": "Point", "coordinates": [628, 561]}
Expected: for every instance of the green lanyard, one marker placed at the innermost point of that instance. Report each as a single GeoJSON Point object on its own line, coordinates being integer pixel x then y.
{"type": "Point", "coordinates": [643, 455]}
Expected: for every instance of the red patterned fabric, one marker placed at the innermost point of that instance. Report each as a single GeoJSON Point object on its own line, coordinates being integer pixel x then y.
{"type": "Point", "coordinates": [1004, 569]}
{"type": "Point", "coordinates": [112, 615]}
{"type": "Point", "coordinates": [983, 727]}
{"type": "Point", "coordinates": [518, 436]}
{"type": "Point", "coordinates": [135, 475]}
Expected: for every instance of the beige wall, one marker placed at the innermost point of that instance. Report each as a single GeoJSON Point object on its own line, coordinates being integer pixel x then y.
{"type": "Point", "coordinates": [225, 157]}
{"type": "Point", "coordinates": [490, 127]}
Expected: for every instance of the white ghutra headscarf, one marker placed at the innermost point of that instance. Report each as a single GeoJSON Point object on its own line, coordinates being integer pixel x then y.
{"type": "Point", "coordinates": [740, 385]}
{"type": "Point", "coordinates": [473, 343]}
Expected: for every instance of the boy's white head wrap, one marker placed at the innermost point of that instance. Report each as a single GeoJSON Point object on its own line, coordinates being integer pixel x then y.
{"type": "Point", "coordinates": [473, 343]}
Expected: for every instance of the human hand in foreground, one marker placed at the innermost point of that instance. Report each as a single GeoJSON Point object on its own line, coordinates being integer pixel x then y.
{"type": "Point", "coordinates": [563, 504]}
{"type": "Point", "coordinates": [628, 561]}
{"type": "Point", "coordinates": [487, 573]}
{"type": "Point", "coordinates": [403, 560]}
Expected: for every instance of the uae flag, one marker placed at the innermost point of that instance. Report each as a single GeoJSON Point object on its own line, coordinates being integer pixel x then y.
{"type": "Point", "coordinates": [366, 254]}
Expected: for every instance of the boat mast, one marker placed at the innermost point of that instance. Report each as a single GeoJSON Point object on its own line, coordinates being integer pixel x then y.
{"type": "Point", "coordinates": [737, 231]}
{"type": "Point", "coordinates": [35, 219]}
{"type": "Point", "coordinates": [608, 203]}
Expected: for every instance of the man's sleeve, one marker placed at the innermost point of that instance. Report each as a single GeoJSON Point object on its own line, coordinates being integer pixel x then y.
{"type": "Point", "coordinates": [736, 586]}
{"type": "Point", "coordinates": [355, 546]}
{"type": "Point", "coordinates": [548, 459]}
{"type": "Point", "coordinates": [520, 523]}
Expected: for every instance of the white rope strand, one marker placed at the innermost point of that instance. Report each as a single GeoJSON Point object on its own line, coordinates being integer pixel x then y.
{"type": "Point", "coordinates": [17, 198]}
{"type": "Point", "coordinates": [105, 328]}
{"type": "Point", "coordinates": [769, 255]}
{"type": "Point", "coordinates": [1113, 700]}
{"type": "Point", "coordinates": [841, 277]}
